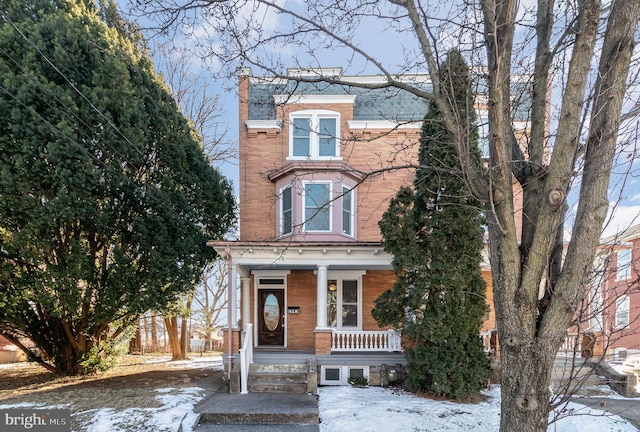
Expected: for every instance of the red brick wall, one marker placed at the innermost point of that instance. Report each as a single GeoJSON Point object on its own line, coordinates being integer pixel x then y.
{"type": "Point", "coordinates": [265, 150]}
{"type": "Point", "coordinates": [628, 337]}
{"type": "Point", "coordinates": [301, 292]}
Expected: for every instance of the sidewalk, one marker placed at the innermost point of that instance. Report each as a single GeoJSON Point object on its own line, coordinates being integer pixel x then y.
{"type": "Point", "coordinates": [595, 392]}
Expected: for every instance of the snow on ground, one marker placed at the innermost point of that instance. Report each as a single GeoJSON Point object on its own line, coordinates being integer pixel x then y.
{"type": "Point", "coordinates": [342, 409]}
{"type": "Point", "coordinates": [347, 409]}
{"type": "Point", "coordinates": [176, 405]}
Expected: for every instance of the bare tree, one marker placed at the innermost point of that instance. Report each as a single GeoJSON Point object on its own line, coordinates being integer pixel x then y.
{"type": "Point", "coordinates": [193, 93]}
{"type": "Point", "coordinates": [577, 56]}
{"type": "Point", "coordinates": [210, 300]}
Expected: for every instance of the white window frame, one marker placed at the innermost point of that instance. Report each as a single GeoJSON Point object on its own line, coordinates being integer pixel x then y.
{"type": "Point", "coordinates": [351, 192]}
{"type": "Point", "coordinates": [623, 271]}
{"type": "Point", "coordinates": [343, 374]}
{"type": "Point", "coordinates": [623, 306]}
{"type": "Point", "coordinates": [328, 206]}
{"type": "Point", "coordinates": [282, 209]}
{"type": "Point", "coordinates": [340, 277]}
{"type": "Point", "coordinates": [314, 136]}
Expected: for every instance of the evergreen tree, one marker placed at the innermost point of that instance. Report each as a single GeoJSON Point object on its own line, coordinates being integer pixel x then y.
{"type": "Point", "coordinates": [434, 231]}
{"type": "Point", "coordinates": [107, 199]}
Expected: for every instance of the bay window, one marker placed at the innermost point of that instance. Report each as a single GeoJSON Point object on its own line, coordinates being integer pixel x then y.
{"type": "Point", "coordinates": [347, 211]}
{"type": "Point", "coordinates": [317, 207]}
{"type": "Point", "coordinates": [286, 218]}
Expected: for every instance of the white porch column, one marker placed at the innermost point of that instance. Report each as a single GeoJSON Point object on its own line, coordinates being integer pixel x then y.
{"type": "Point", "coordinates": [233, 298]}
{"type": "Point", "coordinates": [246, 293]}
{"type": "Point", "coordinates": [321, 292]}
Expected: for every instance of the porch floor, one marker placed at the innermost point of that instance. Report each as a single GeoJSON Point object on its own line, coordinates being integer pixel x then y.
{"type": "Point", "coordinates": [283, 356]}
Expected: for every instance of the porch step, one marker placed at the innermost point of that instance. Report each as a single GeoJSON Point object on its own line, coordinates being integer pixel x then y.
{"type": "Point", "coordinates": [277, 378]}
{"type": "Point", "coordinates": [259, 409]}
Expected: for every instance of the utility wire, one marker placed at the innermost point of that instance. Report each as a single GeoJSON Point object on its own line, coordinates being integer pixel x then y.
{"type": "Point", "coordinates": [76, 89]}
{"type": "Point", "coordinates": [68, 111]}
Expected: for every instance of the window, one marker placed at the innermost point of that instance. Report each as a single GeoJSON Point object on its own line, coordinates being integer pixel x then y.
{"type": "Point", "coordinates": [319, 204]}
{"type": "Point", "coordinates": [347, 211]}
{"type": "Point", "coordinates": [622, 311]}
{"type": "Point", "coordinates": [343, 305]}
{"type": "Point", "coordinates": [624, 264]}
{"type": "Point", "coordinates": [317, 207]}
{"type": "Point", "coordinates": [286, 220]}
{"type": "Point", "coordinates": [314, 134]}
{"type": "Point", "coordinates": [340, 375]}
{"type": "Point", "coordinates": [301, 129]}
{"type": "Point", "coordinates": [483, 136]}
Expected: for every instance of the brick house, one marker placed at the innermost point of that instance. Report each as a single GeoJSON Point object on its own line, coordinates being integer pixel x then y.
{"type": "Point", "coordinates": [309, 263]}
{"type": "Point", "coordinates": [613, 326]}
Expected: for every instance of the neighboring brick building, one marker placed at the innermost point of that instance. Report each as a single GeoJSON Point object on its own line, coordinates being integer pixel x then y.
{"type": "Point", "coordinates": [314, 182]}
{"type": "Point", "coordinates": [615, 295]}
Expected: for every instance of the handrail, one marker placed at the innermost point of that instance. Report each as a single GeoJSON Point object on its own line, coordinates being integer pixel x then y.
{"type": "Point", "coordinates": [359, 340]}
{"type": "Point", "coordinates": [246, 358]}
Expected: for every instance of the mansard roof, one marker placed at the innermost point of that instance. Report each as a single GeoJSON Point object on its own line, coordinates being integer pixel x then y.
{"type": "Point", "coordinates": [387, 103]}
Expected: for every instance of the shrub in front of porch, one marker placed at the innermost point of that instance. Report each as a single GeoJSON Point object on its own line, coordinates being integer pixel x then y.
{"type": "Point", "coordinates": [434, 231]}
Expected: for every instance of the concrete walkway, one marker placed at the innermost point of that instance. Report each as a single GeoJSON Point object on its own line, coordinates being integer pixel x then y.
{"type": "Point", "coordinates": [628, 409]}
{"type": "Point", "coordinates": [260, 412]}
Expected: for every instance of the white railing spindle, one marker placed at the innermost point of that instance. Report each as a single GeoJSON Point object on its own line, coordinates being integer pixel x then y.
{"type": "Point", "coordinates": [246, 358]}
{"type": "Point", "coordinates": [357, 340]}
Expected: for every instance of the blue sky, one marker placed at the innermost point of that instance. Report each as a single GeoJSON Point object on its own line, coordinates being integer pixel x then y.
{"type": "Point", "coordinates": [395, 51]}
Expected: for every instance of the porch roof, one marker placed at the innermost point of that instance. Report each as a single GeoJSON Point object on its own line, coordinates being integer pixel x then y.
{"type": "Point", "coordinates": [248, 256]}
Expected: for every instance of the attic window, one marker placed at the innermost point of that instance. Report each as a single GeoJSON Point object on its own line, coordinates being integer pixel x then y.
{"type": "Point", "coordinates": [314, 134]}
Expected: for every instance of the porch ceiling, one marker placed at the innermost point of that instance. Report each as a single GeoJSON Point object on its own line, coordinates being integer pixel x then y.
{"type": "Point", "coordinates": [303, 256]}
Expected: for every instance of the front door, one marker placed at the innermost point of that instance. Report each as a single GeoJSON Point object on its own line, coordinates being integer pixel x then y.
{"type": "Point", "coordinates": [271, 315]}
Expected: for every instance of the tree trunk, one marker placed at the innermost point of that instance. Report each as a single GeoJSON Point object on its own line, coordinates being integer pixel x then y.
{"type": "Point", "coordinates": [184, 338]}
{"type": "Point", "coordinates": [154, 333]}
{"type": "Point", "coordinates": [171, 323]}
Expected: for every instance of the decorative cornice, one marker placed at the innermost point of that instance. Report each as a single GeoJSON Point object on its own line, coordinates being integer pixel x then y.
{"type": "Point", "coordinates": [379, 125]}
{"type": "Point", "coordinates": [314, 99]}
{"type": "Point", "coordinates": [264, 124]}
{"type": "Point", "coordinates": [300, 168]}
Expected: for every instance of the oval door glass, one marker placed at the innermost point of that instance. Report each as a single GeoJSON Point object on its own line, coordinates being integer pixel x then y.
{"type": "Point", "coordinates": [271, 312]}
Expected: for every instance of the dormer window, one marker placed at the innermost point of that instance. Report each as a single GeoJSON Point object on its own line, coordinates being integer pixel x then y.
{"type": "Point", "coordinates": [314, 134]}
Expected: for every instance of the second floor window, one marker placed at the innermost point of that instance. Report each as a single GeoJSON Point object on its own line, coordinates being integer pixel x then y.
{"type": "Point", "coordinates": [317, 207]}
{"type": "Point", "coordinates": [347, 211]}
{"type": "Point", "coordinates": [314, 135]}
{"type": "Point", "coordinates": [287, 211]}
{"type": "Point", "coordinates": [324, 207]}
{"type": "Point", "coordinates": [624, 264]}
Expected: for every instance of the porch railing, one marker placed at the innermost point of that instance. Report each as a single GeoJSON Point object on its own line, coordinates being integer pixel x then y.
{"type": "Point", "coordinates": [570, 345]}
{"type": "Point", "coordinates": [246, 358]}
{"type": "Point", "coordinates": [357, 340]}
{"type": "Point", "coordinates": [486, 341]}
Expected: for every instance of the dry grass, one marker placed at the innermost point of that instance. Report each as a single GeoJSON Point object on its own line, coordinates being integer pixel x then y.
{"type": "Point", "coordinates": [131, 384]}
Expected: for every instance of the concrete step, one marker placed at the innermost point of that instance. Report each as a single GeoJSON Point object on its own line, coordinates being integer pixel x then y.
{"type": "Point", "coordinates": [277, 378]}
{"type": "Point", "coordinates": [259, 409]}
{"type": "Point", "coordinates": [296, 377]}
{"type": "Point", "coordinates": [258, 367]}
{"type": "Point", "coordinates": [277, 387]}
